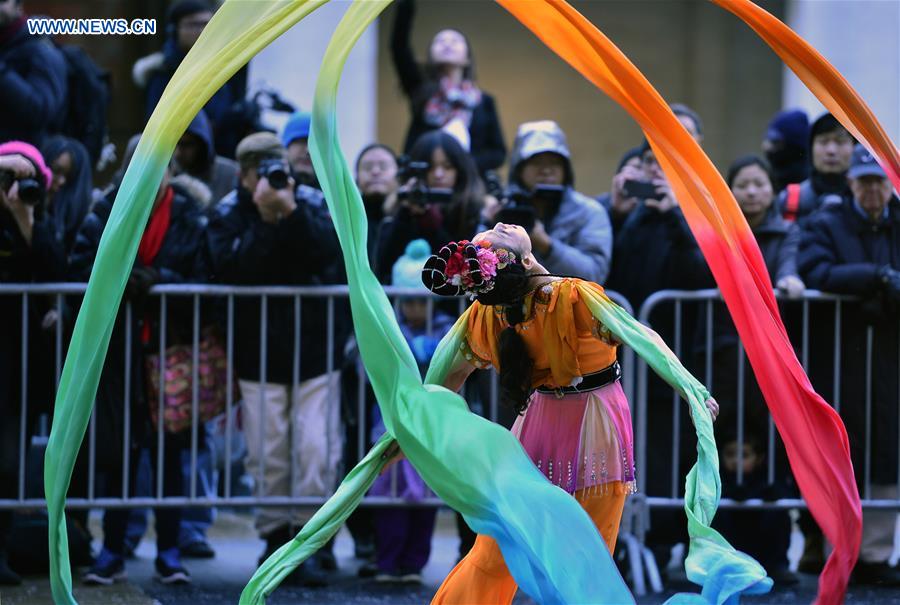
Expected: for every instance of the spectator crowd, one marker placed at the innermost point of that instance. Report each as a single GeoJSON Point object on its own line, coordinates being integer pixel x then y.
{"type": "Point", "coordinates": [240, 206]}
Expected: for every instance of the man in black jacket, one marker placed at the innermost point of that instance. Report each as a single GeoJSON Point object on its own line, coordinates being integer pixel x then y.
{"type": "Point", "coordinates": [32, 79]}
{"type": "Point", "coordinates": [264, 235]}
{"type": "Point", "coordinates": [167, 253]}
{"type": "Point", "coordinates": [853, 248]}
{"type": "Point", "coordinates": [830, 149]}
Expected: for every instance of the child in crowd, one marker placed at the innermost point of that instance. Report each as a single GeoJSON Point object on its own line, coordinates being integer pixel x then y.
{"type": "Point", "coordinates": [764, 534]}
{"type": "Point", "coordinates": [403, 535]}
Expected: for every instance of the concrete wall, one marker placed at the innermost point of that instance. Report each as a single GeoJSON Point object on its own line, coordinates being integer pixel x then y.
{"type": "Point", "coordinates": [861, 38]}
{"type": "Point", "coordinates": [291, 65]}
{"type": "Point", "coordinates": [690, 50]}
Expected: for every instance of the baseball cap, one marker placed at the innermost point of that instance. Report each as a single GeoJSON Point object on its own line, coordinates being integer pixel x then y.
{"type": "Point", "coordinates": [864, 163]}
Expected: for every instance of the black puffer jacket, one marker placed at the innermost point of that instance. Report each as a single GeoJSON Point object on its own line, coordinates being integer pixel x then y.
{"type": "Point", "coordinates": [302, 249]}
{"type": "Point", "coordinates": [175, 263]}
{"type": "Point", "coordinates": [841, 252]}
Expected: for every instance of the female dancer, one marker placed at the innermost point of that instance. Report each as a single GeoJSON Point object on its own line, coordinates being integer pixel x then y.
{"type": "Point", "coordinates": [557, 368]}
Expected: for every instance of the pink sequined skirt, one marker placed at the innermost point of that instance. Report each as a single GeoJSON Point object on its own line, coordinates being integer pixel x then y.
{"type": "Point", "coordinates": [580, 440]}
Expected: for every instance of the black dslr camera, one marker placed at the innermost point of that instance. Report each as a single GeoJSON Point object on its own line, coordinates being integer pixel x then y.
{"type": "Point", "coordinates": [31, 191]}
{"type": "Point", "coordinates": [419, 194]}
{"type": "Point", "coordinates": [517, 204]}
{"type": "Point", "coordinates": [277, 171]}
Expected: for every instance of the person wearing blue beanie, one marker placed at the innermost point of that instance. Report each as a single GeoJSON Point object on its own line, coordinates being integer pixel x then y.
{"type": "Point", "coordinates": [295, 138]}
{"type": "Point", "coordinates": [403, 535]}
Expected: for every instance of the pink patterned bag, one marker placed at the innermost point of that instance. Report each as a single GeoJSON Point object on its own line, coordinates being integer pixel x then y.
{"type": "Point", "coordinates": [212, 374]}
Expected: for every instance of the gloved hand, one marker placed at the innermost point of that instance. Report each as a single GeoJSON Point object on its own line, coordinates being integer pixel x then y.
{"type": "Point", "coordinates": [890, 281]}
{"type": "Point", "coordinates": [140, 281]}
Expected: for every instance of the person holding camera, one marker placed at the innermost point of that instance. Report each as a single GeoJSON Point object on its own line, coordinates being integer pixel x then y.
{"type": "Point", "coordinates": [570, 232]}
{"type": "Point", "coordinates": [619, 202]}
{"type": "Point", "coordinates": [71, 191]}
{"type": "Point", "coordinates": [166, 254]}
{"type": "Point", "coordinates": [441, 199]}
{"type": "Point", "coordinates": [28, 253]}
{"type": "Point", "coordinates": [269, 231]}
{"type": "Point", "coordinates": [655, 250]}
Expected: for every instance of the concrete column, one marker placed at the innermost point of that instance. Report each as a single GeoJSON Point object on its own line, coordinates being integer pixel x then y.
{"type": "Point", "coordinates": [291, 64]}
{"type": "Point", "coordinates": [861, 38]}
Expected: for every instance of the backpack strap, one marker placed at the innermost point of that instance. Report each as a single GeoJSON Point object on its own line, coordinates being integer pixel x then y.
{"type": "Point", "coordinates": [792, 203]}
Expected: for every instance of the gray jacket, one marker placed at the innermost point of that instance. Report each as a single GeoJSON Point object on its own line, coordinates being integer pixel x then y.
{"type": "Point", "coordinates": [582, 239]}
{"type": "Point", "coordinates": [580, 231]}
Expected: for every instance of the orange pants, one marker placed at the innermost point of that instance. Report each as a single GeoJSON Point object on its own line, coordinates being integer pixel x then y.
{"type": "Point", "coordinates": [482, 578]}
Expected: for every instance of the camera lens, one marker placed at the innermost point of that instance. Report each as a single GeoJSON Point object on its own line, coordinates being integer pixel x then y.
{"type": "Point", "coordinates": [278, 178]}
{"type": "Point", "coordinates": [30, 191]}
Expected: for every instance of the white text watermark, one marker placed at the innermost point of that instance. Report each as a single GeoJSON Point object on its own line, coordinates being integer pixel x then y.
{"type": "Point", "coordinates": [92, 27]}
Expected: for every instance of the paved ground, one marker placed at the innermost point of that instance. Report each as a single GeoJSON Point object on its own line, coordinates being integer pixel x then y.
{"type": "Point", "coordinates": [221, 580]}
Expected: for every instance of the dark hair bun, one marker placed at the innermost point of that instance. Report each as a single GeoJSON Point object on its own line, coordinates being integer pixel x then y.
{"type": "Point", "coordinates": [434, 273]}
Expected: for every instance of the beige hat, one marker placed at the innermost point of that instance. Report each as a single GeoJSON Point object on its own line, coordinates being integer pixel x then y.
{"type": "Point", "coordinates": [259, 146]}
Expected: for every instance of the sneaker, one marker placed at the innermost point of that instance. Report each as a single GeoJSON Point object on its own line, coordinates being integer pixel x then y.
{"type": "Point", "coordinates": [197, 550]}
{"type": "Point", "coordinates": [875, 574]}
{"type": "Point", "coordinates": [308, 574]}
{"type": "Point", "coordinates": [169, 569]}
{"type": "Point", "coordinates": [388, 577]}
{"type": "Point", "coordinates": [410, 577]}
{"type": "Point", "coordinates": [107, 569]}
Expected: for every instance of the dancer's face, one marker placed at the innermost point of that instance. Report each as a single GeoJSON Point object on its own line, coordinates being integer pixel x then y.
{"type": "Point", "coordinates": [509, 237]}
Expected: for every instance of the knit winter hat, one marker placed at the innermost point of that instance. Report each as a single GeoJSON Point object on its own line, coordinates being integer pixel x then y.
{"type": "Point", "coordinates": [407, 271]}
{"type": "Point", "coordinates": [297, 127]}
{"type": "Point", "coordinates": [30, 152]}
{"type": "Point", "coordinates": [790, 126]}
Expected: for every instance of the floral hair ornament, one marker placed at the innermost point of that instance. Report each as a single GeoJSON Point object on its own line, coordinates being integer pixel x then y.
{"type": "Point", "coordinates": [465, 268]}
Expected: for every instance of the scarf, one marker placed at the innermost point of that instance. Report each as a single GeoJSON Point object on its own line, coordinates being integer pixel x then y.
{"type": "Point", "coordinates": [156, 229]}
{"type": "Point", "coordinates": [452, 101]}
{"type": "Point", "coordinates": [152, 241]}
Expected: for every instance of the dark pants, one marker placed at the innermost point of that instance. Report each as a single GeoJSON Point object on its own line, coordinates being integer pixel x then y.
{"type": "Point", "coordinates": [115, 521]}
{"type": "Point", "coordinates": [403, 538]}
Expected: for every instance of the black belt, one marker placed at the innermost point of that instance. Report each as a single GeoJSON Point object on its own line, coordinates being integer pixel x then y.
{"type": "Point", "coordinates": [590, 382]}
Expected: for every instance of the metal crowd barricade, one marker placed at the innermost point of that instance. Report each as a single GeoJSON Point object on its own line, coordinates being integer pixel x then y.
{"type": "Point", "coordinates": [709, 298]}
{"type": "Point", "coordinates": [634, 519]}
{"type": "Point", "coordinates": [165, 293]}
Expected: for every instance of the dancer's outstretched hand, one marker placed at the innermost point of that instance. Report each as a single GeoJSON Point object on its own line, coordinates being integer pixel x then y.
{"type": "Point", "coordinates": [393, 454]}
{"type": "Point", "coordinates": [713, 406]}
